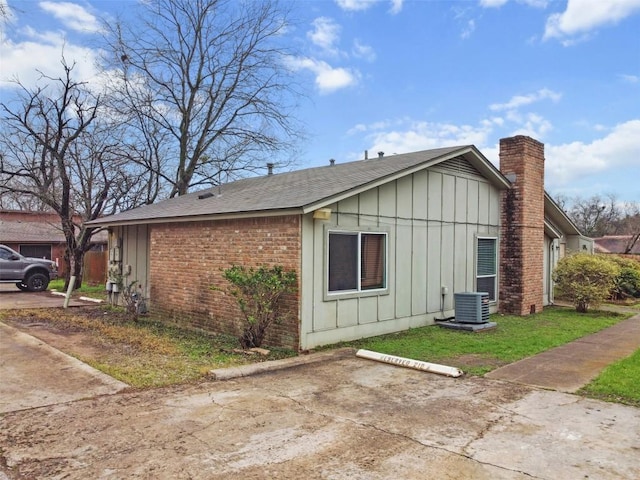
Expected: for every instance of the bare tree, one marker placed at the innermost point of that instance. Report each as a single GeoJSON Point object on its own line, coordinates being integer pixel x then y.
{"type": "Point", "coordinates": [11, 200]}
{"type": "Point", "coordinates": [57, 150]}
{"type": "Point", "coordinates": [203, 84]}
{"type": "Point", "coordinates": [595, 216]}
{"type": "Point", "coordinates": [630, 225]}
{"type": "Point", "coordinates": [600, 216]}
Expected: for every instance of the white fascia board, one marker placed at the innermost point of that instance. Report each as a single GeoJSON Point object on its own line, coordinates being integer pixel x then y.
{"type": "Point", "coordinates": [551, 230]}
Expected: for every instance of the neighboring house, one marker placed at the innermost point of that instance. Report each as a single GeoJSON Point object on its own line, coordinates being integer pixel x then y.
{"type": "Point", "coordinates": [39, 234]}
{"type": "Point", "coordinates": [617, 244]}
{"type": "Point", "coordinates": [379, 245]}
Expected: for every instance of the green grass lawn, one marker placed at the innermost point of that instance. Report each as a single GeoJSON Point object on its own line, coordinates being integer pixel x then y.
{"type": "Point", "coordinates": [151, 353]}
{"type": "Point", "coordinates": [95, 291]}
{"type": "Point", "coordinates": [619, 382]}
{"type": "Point", "coordinates": [478, 353]}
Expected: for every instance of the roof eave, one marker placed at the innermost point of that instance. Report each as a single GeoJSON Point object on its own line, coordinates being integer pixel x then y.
{"type": "Point", "coordinates": [553, 210]}
{"type": "Point", "coordinates": [551, 230]}
{"type": "Point", "coordinates": [195, 218]}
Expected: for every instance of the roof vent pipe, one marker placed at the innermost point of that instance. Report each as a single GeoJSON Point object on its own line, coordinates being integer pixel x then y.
{"type": "Point", "coordinates": [269, 168]}
{"type": "Point", "coordinates": [366, 154]}
{"type": "Point", "coordinates": [332, 162]}
{"type": "Point", "coordinates": [380, 154]}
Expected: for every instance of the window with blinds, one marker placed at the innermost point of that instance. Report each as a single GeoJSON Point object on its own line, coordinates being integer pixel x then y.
{"type": "Point", "coordinates": [487, 266]}
{"type": "Point", "coordinates": [357, 261]}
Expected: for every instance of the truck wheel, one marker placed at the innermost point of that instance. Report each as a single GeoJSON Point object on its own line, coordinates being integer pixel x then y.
{"type": "Point", "coordinates": [22, 286]}
{"type": "Point", "coordinates": [37, 282]}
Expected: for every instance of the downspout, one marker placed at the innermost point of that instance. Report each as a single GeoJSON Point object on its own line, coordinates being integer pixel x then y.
{"type": "Point", "coordinates": [552, 263]}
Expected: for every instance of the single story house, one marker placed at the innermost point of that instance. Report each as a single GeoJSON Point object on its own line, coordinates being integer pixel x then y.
{"type": "Point", "coordinates": [379, 245]}
{"type": "Point", "coordinates": [617, 245]}
{"type": "Point", "coordinates": [39, 235]}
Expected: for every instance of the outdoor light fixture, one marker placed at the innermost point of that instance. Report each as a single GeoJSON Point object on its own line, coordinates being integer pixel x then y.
{"type": "Point", "coordinates": [322, 214]}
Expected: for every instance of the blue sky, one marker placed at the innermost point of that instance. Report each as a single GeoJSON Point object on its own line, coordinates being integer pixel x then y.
{"type": "Point", "coordinates": [400, 76]}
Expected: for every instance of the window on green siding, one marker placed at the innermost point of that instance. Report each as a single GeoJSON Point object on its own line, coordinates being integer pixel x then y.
{"type": "Point", "coordinates": [357, 261]}
{"type": "Point", "coordinates": [487, 266]}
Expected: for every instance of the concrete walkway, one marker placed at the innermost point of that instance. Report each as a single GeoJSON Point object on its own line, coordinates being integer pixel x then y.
{"type": "Point", "coordinates": [34, 374]}
{"type": "Point", "coordinates": [571, 366]}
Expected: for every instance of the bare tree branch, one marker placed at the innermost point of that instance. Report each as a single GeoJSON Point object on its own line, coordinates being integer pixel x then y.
{"type": "Point", "coordinates": [203, 83]}
{"type": "Point", "coordinates": [599, 216]}
{"type": "Point", "coordinates": [58, 151]}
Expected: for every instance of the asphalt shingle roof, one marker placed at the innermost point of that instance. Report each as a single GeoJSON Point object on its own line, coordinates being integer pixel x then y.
{"type": "Point", "coordinates": [36, 231]}
{"type": "Point", "coordinates": [291, 190]}
{"type": "Point", "coordinates": [615, 244]}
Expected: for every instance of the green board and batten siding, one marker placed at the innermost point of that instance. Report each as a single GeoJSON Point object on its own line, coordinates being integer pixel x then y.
{"type": "Point", "coordinates": [433, 218]}
{"type": "Point", "coordinates": [134, 244]}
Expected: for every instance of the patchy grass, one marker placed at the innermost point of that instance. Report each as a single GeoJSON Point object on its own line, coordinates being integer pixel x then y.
{"type": "Point", "coordinates": [478, 353]}
{"type": "Point", "coordinates": [619, 382]}
{"type": "Point", "coordinates": [150, 353]}
{"type": "Point", "coordinates": [94, 291]}
{"type": "Point", "coordinates": [146, 353]}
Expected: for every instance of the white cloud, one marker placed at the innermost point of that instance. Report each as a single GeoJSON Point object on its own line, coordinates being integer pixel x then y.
{"type": "Point", "coordinates": [361, 50]}
{"type": "Point", "coordinates": [396, 6]}
{"type": "Point", "coordinates": [533, 125]}
{"type": "Point", "coordinates": [355, 5]}
{"type": "Point", "coordinates": [381, 125]}
{"type": "Point", "coordinates": [406, 135]}
{"type": "Point", "coordinates": [582, 16]}
{"type": "Point", "coordinates": [43, 51]}
{"type": "Point", "coordinates": [492, 3]}
{"type": "Point", "coordinates": [361, 5]}
{"type": "Point", "coordinates": [328, 79]}
{"type": "Point", "coordinates": [7, 13]}
{"type": "Point", "coordinates": [522, 100]}
{"type": "Point", "coordinates": [469, 29]}
{"type": "Point", "coordinates": [617, 150]}
{"type": "Point", "coordinates": [72, 16]}
{"type": "Point", "coordinates": [535, 3]}
{"type": "Point", "coordinates": [499, 3]}
{"type": "Point", "coordinates": [325, 34]}
{"type": "Point", "coordinates": [629, 78]}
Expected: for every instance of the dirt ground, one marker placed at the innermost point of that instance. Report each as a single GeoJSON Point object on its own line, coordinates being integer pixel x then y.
{"type": "Point", "coordinates": [344, 418]}
{"type": "Point", "coordinates": [75, 343]}
{"type": "Point", "coordinates": [340, 418]}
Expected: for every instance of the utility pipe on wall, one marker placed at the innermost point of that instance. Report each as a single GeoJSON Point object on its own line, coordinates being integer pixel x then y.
{"type": "Point", "coordinates": [410, 363]}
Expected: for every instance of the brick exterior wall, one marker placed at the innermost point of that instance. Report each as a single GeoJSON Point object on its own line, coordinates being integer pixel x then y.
{"type": "Point", "coordinates": [522, 226]}
{"type": "Point", "coordinates": [187, 259]}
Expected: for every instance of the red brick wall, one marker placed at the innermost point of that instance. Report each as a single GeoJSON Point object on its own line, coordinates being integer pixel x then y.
{"type": "Point", "coordinates": [186, 259]}
{"type": "Point", "coordinates": [522, 225]}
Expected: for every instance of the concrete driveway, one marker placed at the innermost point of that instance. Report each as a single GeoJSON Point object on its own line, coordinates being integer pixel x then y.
{"type": "Point", "coordinates": [34, 374]}
{"type": "Point", "coordinates": [12, 298]}
{"type": "Point", "coordinates": [340, 418]}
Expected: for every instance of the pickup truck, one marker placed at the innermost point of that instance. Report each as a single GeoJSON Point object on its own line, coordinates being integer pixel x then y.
{"type": "Point", "coordinates": [28, 274]}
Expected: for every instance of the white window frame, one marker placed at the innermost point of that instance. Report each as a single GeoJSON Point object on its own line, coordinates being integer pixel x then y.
{"type": "Point", "coordinates": [496, 265]}
{"type": "Point", "coordinates": [358, 291]}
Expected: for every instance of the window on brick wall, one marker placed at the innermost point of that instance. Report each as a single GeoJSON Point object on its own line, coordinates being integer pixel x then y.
{"type": "Point", "coordinates": [357, 261]}
{"type": "Point", "coordinates": [487, 266]}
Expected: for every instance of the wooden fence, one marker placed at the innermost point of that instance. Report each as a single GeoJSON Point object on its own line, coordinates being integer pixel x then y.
{"type": "Point", "coordinates": [95, 267]}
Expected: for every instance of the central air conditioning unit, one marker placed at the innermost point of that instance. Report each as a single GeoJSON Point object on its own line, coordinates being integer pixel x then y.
{"type": "Point", "coordinates": [472, 307]}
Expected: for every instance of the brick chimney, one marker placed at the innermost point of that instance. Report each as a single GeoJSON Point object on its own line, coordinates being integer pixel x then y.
{"type": "Point", "coordinates": [522, 226]}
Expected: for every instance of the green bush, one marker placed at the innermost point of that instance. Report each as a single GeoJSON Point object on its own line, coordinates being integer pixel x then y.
{"type": "Point", "coordinates": [258, 292]}
{"type": "Point", "coordinates": [586, 280]}
{"type": "Point", "coordinates": [627, 283]}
